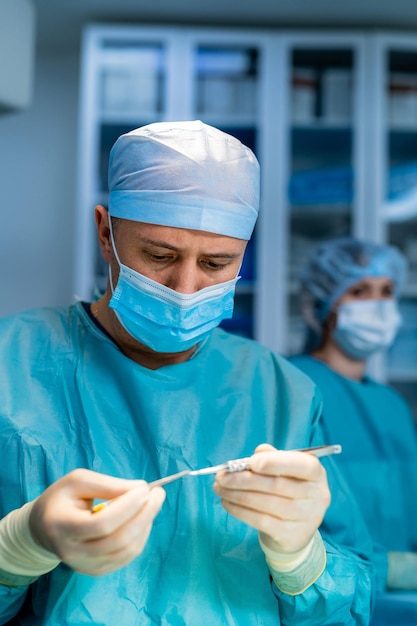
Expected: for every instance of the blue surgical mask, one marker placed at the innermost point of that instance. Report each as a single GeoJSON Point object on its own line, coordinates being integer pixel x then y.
{"type": "Point", "coordinates": [366, 326]}
{"type": "Point", "coordinates": [166, 320]}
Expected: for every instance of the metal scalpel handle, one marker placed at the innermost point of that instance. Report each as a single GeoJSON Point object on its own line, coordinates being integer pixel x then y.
{"type": "Point", "coordinates": [319, 451]}
{"type": "Point", "coordinates": [230, 466]}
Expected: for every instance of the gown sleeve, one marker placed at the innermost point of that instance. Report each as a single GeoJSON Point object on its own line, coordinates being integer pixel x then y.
{"type": "Point", "coordinates": [11, 601]}
{"type": "Point", "coordinates": [344, 593]}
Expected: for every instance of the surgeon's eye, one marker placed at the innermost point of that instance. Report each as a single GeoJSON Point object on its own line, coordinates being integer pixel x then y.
{"type": "Point", "coordinates": [358, 292]}
{"type": "Point", "coordinates": [388, 291]}
{"type": "Point", "coordinates": [215, 265]}
{"type": "Point", "coordinates": [154, 257]}
{"type": "Point", "coordinates": [160, 257]}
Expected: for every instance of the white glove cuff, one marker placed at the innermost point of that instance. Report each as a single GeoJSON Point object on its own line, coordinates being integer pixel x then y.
{"type": "Point", "coordinates": [402, 571]}
{"type": "Point", "coordinates": [294, 573]}
{"type": "Point", "coordinates": [22, 560]}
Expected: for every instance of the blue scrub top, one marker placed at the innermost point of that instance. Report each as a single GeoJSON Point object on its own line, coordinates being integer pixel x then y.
{"type": "Point", "coordinates": [70, 398]}
{"type": "Point", "coordinates": [376, 429]}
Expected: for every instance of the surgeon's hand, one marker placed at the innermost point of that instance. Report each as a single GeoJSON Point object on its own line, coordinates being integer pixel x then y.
{"type": "Point", "coordinates": [284, 496]}
{"type": "Point", "coordinates": [95, 543]}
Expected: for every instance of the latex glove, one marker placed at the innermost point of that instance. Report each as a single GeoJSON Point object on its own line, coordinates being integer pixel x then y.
{"type": "Point", "coordinates": [284, 496]}
{"type": "Point", "coordinates": [61, 520]}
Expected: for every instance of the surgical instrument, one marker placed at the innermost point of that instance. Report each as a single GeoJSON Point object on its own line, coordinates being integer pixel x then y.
{"type": "Point", "coordinates": [239, 465]}
{"type": "Point", "coordinates": [236, 465]}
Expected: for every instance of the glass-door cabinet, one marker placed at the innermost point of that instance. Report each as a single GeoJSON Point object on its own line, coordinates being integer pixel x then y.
{"type": "Point", "coordinates": [124, 84]}
{"type": "Point", "coordinates": [325, 154]}
{"type": "Point", "coordinates": [225, 95]}
{"type": "Point", "coordinates": [397, 57]}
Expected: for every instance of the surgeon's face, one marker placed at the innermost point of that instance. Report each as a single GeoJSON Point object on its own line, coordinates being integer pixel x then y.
{"type": "Point", "coordinates": [369, 288]}
{"type": "Point", "coordinates": [181, 259]}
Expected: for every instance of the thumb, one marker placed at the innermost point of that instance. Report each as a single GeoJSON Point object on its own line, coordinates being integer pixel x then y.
{"type": "Point", "coordinates": [87, 485]}
{"type": "Point", "coordinates": [265, 447]}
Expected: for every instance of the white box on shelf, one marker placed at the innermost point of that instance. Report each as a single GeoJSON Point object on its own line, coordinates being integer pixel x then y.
{"type": "Point", "coordinates": [297, 334]}
{"type": "Point", "coordinates": [402, 99]}
{"type": "Point", "coordinates": [217, 61]}
{"type": "Point", "coordinates": [130, 81]}
{"type": "Point", "coordinates": [128, 92]}
{"type": "Point", "coordinates": [218, 95]}
{"type": "Point", "coordinates": [114, 90]}
{"type": "Point", "coordinates": [246, 89]}
{"type": "Point", "coordinates": [337, 95]}
{"type": "Point", "coordinates": [303, 95]}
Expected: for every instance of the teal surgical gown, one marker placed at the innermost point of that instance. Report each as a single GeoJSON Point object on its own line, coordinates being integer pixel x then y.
{"type": "Point", "coordinates": [379, 461]}
{"type": "Point", "coordinates": [69, 398]}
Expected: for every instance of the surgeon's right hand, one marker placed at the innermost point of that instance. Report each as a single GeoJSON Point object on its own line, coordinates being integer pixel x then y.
{"type": "Point", "coordinates": [61, 520]}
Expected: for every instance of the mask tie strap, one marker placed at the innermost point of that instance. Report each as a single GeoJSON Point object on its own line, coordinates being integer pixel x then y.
{"type": "Point", "coordinates": [113, 244]}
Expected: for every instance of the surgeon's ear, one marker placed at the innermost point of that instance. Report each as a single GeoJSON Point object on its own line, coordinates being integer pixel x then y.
{"type": "Point", "coordinates": [103, 231]}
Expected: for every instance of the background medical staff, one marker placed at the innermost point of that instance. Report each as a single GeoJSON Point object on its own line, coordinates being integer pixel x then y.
{"type": "Point", "coordinates": [349, 295]}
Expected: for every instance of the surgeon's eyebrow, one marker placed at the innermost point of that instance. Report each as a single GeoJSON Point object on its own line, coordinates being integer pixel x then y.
{"type": "Point", "coordinates": [213, 255]}
{"type": "Point", "coordinates": [157, 244]}
{"type": "Point", "coordinates": [222, 255]}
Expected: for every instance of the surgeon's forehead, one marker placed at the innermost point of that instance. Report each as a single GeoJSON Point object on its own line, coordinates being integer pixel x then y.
{"type": "Point", "coordinates": [168, 236]}
{"type": "Point", "coordinates": [372, 281]}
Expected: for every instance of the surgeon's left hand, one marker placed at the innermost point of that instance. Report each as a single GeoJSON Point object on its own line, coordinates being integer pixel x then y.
{"type": "Point", "coordinates": [61, 520]}
{"type": "Point", "coordinates": [284, 496]}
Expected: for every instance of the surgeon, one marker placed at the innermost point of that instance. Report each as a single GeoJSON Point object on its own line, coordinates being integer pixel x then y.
{"type": "Point", "coordinates": [100, 399]}
{"type": "Point", "coordinates": [349, 294]}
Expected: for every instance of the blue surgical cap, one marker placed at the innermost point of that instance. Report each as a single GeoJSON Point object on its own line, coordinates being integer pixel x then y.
{"type": "Point", "coordinates": [338, 264]}
{"type": "Point", "coordinates": [185, 175]}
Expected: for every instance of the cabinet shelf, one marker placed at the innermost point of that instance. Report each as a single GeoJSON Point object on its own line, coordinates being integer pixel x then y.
{"type": "Point", "coordinates": [403, 376]}
{"type": "Point", "coordinates": [402, 128]}
{"type": "Point", "coordinates": [238, 120]}
{"type": "Point", "coordinates": [133, 118]}
{"type": "Point", "coordinates": [410, 291]}
{"type": "Point", "coordinates": [314, 211]}
{"type": "Point", "coordinates": [322, 126]}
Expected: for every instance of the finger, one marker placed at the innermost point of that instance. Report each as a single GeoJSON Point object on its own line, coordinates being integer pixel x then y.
{"type": "Point", "coordinates": [77, 526]}
{"type": "Point", "coordinates": [100, 564]}
{"type": "Point", "coordinates": [287, 463]}
{"type": "Point", "coordinates": [270, 525]}
{"type": "Point", "coordinates": [86, 484]}
{"type": "Point", "coordinates": [265, 447]}
{"type": "Point", "coordinates": [284, 486]}
{"type": "Point", "coordinates": [119, 511]}
{"type": "Point", "coordinates": [121, 558]}
{"type": "Point", "coordinates": [132, 535]}
{"type": "Point", "coordinates": [308, 508]}
{"type": "Point", "coordinates": [109, 551]}
{"type": "Point", "coordinates": [288, 535]}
